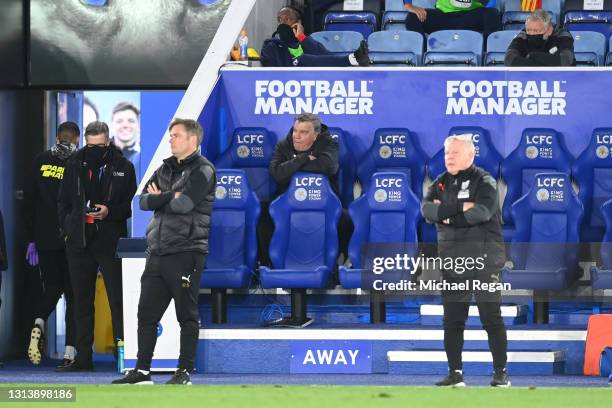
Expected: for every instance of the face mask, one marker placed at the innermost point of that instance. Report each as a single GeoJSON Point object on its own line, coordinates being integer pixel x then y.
{"type": "Point", "coordinates": [536, 40]}
{"type": "Point", "coordinates": [95, 154]}
{"type": "Point", "coordinates": [63, 150]}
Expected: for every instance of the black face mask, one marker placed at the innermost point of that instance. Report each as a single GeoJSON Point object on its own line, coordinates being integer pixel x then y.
{"type": "Point", "coordinates": [536, 41]}
{"type": "Point", "coordinates": [95, 155]}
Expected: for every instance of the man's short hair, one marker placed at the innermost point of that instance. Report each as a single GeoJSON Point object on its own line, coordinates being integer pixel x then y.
{"type": "Point", "coordinates": [68, 132]}
{"type": "Point", "coordinates": [465, 138]}
{"type": "Point", "coordinates": [121, 106]}
{"type": "Point", "coordinates": [312, 118]}
{"type": "Point", "coordinates": [295, 11]}
{"type": "Point", "coordinates": [191, 126]}
{"type": "Point", "coordinates": [540, 15]}
{"type": "Point", "coordinates": [97, 128]}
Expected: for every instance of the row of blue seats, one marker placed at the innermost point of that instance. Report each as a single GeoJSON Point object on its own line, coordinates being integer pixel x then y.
{"type": "Point", "coordinates": [399, 149]}
{"type": "Point", "coordinates": [453, 47]}
{"type": "Point", "coordinates": [304, 247]}
{"type": "Point", "coordinates": [512, 18]}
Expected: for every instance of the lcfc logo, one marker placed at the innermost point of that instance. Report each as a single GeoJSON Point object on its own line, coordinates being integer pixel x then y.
{"type": "Point", "coordinates": [543, 195]}
{"type": "Point", "coordinates": [385, 152]}
{"type": "Point", "coordinates": [603, 152]}
{"type": "Point", "coordinates": [300, 194]}
{"type": "Point", "coordinates": [531, 152]}
{"type": "Point", "coordinates": [220, 193]}
{"type": "Point", "coordinates": [243, 151]}
{"type": "Point", "coordinates": [380, 195]}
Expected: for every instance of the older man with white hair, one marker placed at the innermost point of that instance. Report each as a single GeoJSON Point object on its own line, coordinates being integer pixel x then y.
{"type": "Point", "coordinates": [463, 203]}
{"type": "Point", "coordinates": [541, 44]}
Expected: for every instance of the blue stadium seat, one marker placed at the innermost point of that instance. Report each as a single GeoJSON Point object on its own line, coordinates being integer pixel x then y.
{"type": "Point", "coordinates": [394, 21]}
{"type": "Point", "coordinates": [347, 173]}
{"type": "Point", "coordinates": [592, 170]}
{"type": "Point", "coordinates": [544, 249]}
{"type": "Point", "coordinates": [515, 20]}
{"type": "Point", "coordinates": [232, 241]}
{"type": "Point", "coordinates": [251, 149]}
{"type": "Point", "coordinates": [589, 48]}
{"type": "Point", "coordinates": [389, 48]}
{"type": "Point", "coordinates": [539, 150]}
{"type": "Point", "coordinates": [586, 20]}
{"type": "Point", "coordinates": [454, 48]}
{"type": "Point", "coordinates": [601, 278]}
{"type": "Point", "coordinates": [363, 22]}
{"type": "Point", "coordinates": [497, 44]}
{"type": "Point", "coordinates": [388, 214]}
{"type": "Point", "coordinates": [339, 42]}
{"type": "Point", "coordinates": [394, 5]}
{"type": "Point", "coordinates": [487, 157]}
{"type": "Point", "coordinates": [609, 57]}
{"type": "Point", "coordinates": [394, 149]}
{"type": "Point", "coordinates": [304, 247]}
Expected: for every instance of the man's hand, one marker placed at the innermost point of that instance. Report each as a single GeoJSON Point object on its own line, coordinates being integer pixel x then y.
{"type": "Point", "coordinates": [298, 29]}
{"type": "Point", "coordinates": [102, 214]}
{"type": "Point", "coordinates": [177, 194]}
{"type": "Point", "coordinates": [152, 189]}
{"type": "Point", "coordinates": [311, 157]}
{"type": "Point", "coordinates": [420, 12]}
{"type": "Point", "coordinates": [436, 201]}
{"type": "Point", "coordinates": [467, 206]}
{"type": "Point", "coordinates": [32, 254]}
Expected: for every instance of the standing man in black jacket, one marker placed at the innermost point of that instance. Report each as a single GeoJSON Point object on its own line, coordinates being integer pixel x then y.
{"type": "Point", "coordinates": [94, 205]}
{"type": "Point", "coordinates": [46, 249]}
{"type": "Point", "coordinates": [463, 204]}
{"type": "Point", "coordinates": [181, 193]}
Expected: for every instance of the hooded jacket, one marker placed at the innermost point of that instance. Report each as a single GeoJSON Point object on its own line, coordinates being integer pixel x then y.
{"type": "Point", "coordinates": [286, 161]}
{"type": "Point", "coordinates": [557, 50]}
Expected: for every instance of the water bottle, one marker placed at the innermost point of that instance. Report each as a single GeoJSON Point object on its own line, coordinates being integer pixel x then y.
{"type": "Point", "coordinates": [243, 42]}
{"type": "Point", "coordinates": [120, 356]}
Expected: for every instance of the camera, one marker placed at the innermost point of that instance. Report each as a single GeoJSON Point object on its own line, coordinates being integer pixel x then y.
{"type": "Point", "coordinates": [90, 210]}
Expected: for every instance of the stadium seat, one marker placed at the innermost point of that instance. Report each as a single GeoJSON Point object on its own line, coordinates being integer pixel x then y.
{"type": "Point", "coordinates": [394, 149]}
{"type": "Point", "coordinates": [609, 57]}
{"type": "Point", "coordinates": [394, 21]}
{"type": "Point", "coordinates": [592, 170]}
{"type": "Point", "coordinates": [364, 22]}
{"type": "Point", "coordinates": [304, 247]}
{"type": "Point", "coordinates": [388, 214]}
{"type": "Point", "coordinates": [497, 44]}
{"type": "Point", "coordinates": [232, 242]}
{"type": "Point", "coordinates": [544, 249]}
{"type": "Point", "coordinates": [578, 19]}
{"type": "Point", "coordinates": [389, 48]}
{"type": "Point", "coordinates": [339, 42]}
{"type": "Point", "coordinates": [395, 5]}
{"type": "Point", "coordinates": [454, 48]}
{"type": "Point", "coordinates": [515, 20]}
{"type": "Point", "coordinates": [589, 48]}
{"type": "Point", "coordinates": [601, 277]}
{"type": "Point", "coordinates": [251, 149]}
{"type": "Point", "coordinates": [347, 173]}
{"type": "Point", "coordinates": [487, 157]}
{"type": "Point", "coordinates": [539, 150]}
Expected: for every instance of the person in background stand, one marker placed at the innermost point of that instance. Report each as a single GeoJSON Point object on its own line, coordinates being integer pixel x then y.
{"type": "Point", "coordinates": [95, 203]}
{"type": "Point", "coordinates": [46, 250]}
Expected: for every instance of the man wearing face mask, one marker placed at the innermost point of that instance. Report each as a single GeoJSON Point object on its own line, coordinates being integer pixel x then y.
{"type": "Point", "coordinates": [95, 203]}
{"type": "Point", "coordinates": [46, 250]}
{"type": "Point", "coordinates": [540, 44]}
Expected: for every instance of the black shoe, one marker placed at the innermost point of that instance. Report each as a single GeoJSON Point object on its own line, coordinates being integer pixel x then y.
{"type": "Point", "coordinates": [361, 54]}
{"type": "Point", "coordinates": [65, 363]}
{"type": "Point", "coordinates": [453, 379]}
{"type": "Point", "coordinates": [181, 376]}
{"type": "Point", "coordinates": [36, 349]}
{"type": "Point", "coordinates": [287, 36]}
{"type": "Point", "coordinates": [501, 379]}
{"type": "Point", "coordinates": [75, 366]}
{"type": "Point", "coordinates": [135, 377]}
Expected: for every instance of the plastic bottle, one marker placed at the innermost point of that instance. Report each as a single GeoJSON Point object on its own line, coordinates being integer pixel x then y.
{"type": "Point", "coordinates": [120, 356]}
{"type": "Point", "coordinates": [243, 42]}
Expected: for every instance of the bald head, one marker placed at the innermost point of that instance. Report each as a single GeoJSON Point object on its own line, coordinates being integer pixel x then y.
{"type": "Point", "coordinates": [287, 15]}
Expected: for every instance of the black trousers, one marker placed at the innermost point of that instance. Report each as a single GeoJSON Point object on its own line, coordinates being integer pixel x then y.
{"type": "Point", "coordinates": [55, 279]}
{"type": "Point", "coordinates": [83, 264]}
{"type": "Point", "coordinates": [165, 278]}
{"type": "Point", "coordinates": [484, 20]}
{"type": "Point", "coordinates": [456, 307]}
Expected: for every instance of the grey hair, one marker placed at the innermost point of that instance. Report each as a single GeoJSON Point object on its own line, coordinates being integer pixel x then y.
{"type": "Point", "coordinates": [541, 15]}
{"type": "Point", "coordinates": [312, 118]}
{"type": "Point", "coordinates": [97, 128]}
{"type": "Point", "coordinates": [465, 138]}
{"type": "Point", "coordinates": [191, 126]}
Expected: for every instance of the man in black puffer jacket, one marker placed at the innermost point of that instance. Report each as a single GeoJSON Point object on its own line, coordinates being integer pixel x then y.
{"type": "Point", "coordinates": [95, 203]}
{"type": "Point", "coordinates": [181, 192]}
{"type": "Point", "coordinates": [463, 204]}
